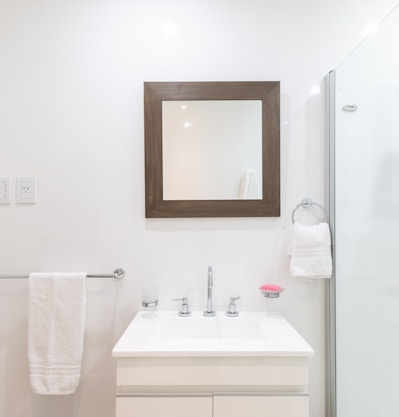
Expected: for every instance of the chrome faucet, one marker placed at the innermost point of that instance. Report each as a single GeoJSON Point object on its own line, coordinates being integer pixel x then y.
{"type": "Point", "coordinates": [209, 312]}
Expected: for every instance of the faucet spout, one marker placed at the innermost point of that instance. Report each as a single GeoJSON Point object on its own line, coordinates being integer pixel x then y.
{"type": "Point", "coordinates": [209, 312]}
{"type": "Point", "coordinates": [210, 276]}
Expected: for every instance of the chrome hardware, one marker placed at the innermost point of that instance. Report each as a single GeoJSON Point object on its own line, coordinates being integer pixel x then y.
{"type": "Point", "coordinates": [232, 307]}
{"type": "Point", "coordinates": [270, 294]}
{"type": "Point", "coordinates": [149, 305]}
{"type": "Point", "coordinates": [209, 312]}
{"type": "Point", "coordinates": [184, 312]}
{"type": "Point", "coordinates": [350, 107]}
{"type": "Point", "coordinates": [119, 273]}
{"type": "Point", "coordinates": [307, 203]}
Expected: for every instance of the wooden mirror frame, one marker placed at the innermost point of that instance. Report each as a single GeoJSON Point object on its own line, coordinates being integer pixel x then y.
{"type": "Point", "coordinates": [266, 91]}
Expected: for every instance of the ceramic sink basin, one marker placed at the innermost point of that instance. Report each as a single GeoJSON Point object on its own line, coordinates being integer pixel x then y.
{"type": "Point", "coordinates": [218, 328]}
{"type": "Point", "coordinates": [164, 333]}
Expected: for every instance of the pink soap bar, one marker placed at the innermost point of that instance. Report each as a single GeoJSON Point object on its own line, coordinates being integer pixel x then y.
{"type": "Point", "coordinates": [271, 288]}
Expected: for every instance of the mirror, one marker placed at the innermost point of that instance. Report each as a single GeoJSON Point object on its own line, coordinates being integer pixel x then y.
{"type": "Point", "coordinates": [195, 135]}
{"type": "Point", "coordinates": [212, 149]}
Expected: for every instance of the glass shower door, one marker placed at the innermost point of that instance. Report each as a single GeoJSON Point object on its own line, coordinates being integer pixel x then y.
{"type": "Point", "coordinates": [366, 227]}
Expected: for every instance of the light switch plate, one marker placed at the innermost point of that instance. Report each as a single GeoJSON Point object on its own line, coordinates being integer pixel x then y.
{"type": "Point", "coordinates": [5, 190]}
{"type": "Point", "coordinates": [26, 190]}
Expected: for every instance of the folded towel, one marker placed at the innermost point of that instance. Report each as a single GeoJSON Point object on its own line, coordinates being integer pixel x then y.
{"type": "Point", "coordinates": [310, 251]}
{"type": "Point", "coordinates": [248, 188]}
{"type": "Point", "coordinates": [57, 304]}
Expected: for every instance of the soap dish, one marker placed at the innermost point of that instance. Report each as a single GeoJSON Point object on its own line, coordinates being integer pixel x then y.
{"type": "Point", "coordinates": [271, 290]}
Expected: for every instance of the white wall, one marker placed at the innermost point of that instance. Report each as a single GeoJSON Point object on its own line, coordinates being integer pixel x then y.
{"type": "Point", "coordinates": [71, 114]}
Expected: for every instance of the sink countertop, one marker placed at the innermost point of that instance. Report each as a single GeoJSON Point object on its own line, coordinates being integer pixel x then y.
{"type": "Point", "coordinates": [165, 334]}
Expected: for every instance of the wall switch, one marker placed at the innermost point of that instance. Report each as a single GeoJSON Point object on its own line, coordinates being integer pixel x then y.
{"type": "Point", "coordinates": [26, 190]}
{"type": "Point", "coordinates": [5, 190]}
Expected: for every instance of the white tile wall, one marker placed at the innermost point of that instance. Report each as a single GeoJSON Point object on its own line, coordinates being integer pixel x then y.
{"type": "Point", "coordinates": [19, 82]}
{"type": "Point", "coordinates": [71, 114]}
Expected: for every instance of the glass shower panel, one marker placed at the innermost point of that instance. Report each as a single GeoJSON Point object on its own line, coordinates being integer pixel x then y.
{"type": "Point", "coordinates": [367, 227]}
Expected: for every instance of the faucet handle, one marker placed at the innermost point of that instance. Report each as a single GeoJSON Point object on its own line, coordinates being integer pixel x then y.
{"type": "Point", "coordinates": [232, 307]}
{"type": "Point", "coordinates": [184, 312]}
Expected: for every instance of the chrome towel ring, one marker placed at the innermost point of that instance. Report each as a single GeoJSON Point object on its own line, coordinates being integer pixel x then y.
{"type": "Point", "coordinates": [306, 203]}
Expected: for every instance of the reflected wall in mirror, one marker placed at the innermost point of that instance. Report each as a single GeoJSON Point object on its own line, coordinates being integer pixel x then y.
{"type": "Point", "coordinates": [212, 149]}
{"type": "Point", "coordinates": [195, 137]}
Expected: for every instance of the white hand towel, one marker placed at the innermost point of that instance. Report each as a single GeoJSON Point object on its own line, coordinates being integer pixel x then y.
{"type": "Point", "coordinates": [310, 251]}
{"type": "Point", "coordinates": [57, 305]}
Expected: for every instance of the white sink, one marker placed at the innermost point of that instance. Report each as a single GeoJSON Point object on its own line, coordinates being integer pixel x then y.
{"type": "Point", "coordinates": [164, 333]}
{"type": "Point", "coordinates": [211, 328]}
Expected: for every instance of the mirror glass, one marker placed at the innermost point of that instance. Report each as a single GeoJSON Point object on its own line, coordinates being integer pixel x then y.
{"type": "Point", "coordinates": [212, 150]}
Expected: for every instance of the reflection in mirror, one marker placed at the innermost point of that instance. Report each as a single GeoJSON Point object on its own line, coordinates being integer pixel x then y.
{"type": "Point", "coordinates": [239, 169]}
{"type": "Point", "coordinates": [212, 150]}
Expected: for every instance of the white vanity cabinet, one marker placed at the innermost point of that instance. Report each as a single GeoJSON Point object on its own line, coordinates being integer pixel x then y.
{"type": "Point", "coordinates": [164, 405]}
{"type": "Point", "coordinates": [212, 387]}
{"type": "Point", "coordinates": [231, 405]}
{"type": "Point", "coordinates": [255, 365]}
{"type": "Point", "coordinates": [260, 405]}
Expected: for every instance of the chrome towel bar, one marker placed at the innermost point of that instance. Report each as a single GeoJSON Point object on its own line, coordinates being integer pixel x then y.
{"type": "Point", "coordinates": [119, 273]}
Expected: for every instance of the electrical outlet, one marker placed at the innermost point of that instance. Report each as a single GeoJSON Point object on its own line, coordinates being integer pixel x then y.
{"type": "Point", "coordinates": [26, 190]}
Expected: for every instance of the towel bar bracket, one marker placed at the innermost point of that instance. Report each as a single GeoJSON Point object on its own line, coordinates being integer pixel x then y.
{"type": "Point", "coordinates": [307, 202]}
{"type": "Point", "coordinates": [119, 273]}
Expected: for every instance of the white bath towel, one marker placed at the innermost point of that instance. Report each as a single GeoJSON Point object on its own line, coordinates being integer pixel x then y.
{"type": "Point", "coordinates": [310, 250]}
{"type": "Point", "coordinates": [248, 188]}
{"type": "Point", "coordinates": [57, 305]}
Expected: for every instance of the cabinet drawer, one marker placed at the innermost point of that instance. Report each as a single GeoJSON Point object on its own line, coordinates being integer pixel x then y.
{"type": "Point", "coordinates": [260, 406]}
{"type": "Point", "coordinates": [223, 371]}
{"type": "Point", "coordinates": [168, 405]}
